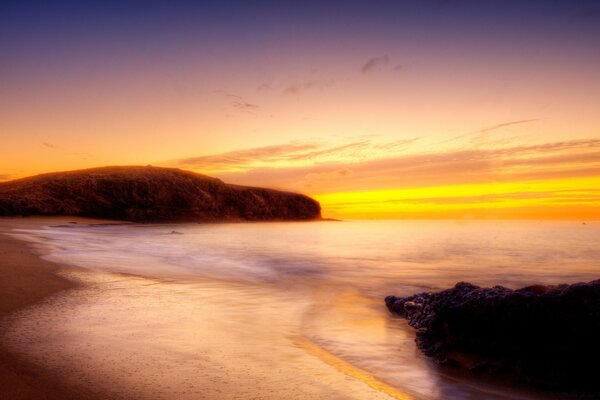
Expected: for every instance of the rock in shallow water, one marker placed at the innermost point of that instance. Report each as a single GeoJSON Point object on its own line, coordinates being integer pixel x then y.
{"type": "Point", "coordinates": [544, 335]}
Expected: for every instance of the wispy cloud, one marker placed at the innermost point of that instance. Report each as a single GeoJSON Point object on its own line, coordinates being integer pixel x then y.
{"type": "Point", "coordinates": [366, 164]}
{"type": "Point", "coordinates": [481, 136]}
{"type": "Point", "coordinates": [576, 158]}
{"type": "Point", "coordinates": [505, 124]}
{"type": "Point", "coordinates": [236, 102]}
{"type": "Point", "coordinates": [397, 144]}
{"type": "Point", "coordinates": [374, 63]}
{"type": "Point", "coordinates": [299, 87]}
{"type": "Point", "coordinates": [548, 147]}
{"type": "Point", "coordinates": [240, 103]}
{"type": "Point", "coordinates": [295, 153]}
{"type": "Point", "coordinates": [242, 158]}
{"type": "Point", "coordinates": [49, 145]}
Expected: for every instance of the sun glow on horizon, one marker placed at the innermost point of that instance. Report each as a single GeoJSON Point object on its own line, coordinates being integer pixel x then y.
{"type": "Point", "coordinates": [482, 117]}
{"type": "Point", "coordinates": [560, 199]}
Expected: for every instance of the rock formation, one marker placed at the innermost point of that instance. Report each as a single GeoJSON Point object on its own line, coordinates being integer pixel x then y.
{"type": "Point", "coordinates": [543, 335]}
{"type": "Point", "coordinates": [150, 194]}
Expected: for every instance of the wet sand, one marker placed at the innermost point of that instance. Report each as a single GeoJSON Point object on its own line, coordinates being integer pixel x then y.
{"type": "Point", "coordinates": [75, 335]}
{"type": "Point", "coordinates": [26, 280]}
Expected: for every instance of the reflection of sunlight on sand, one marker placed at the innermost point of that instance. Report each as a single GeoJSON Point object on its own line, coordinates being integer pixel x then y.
{"type": "Point", "coordinates": [187, 341]}
{"type": "Point", "coordinates": [350, 369]}
{"type": "Point", "coordinates": [358, 331]}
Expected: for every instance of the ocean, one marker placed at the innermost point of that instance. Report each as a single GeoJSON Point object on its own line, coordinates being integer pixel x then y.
{"type": "Point", "coordinates": [277, 310]}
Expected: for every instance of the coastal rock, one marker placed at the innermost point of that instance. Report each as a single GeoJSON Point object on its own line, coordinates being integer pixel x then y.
{"type": "Point", "coordinates": [146, 194]}
{"type": "Point", "coordinates": [543, 335]}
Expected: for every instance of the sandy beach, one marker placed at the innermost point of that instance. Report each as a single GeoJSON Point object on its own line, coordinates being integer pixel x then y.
{"type": "Point", "coordinates": [40, 300]}
{"type": "Point", "coordinates": [133, 311]}
{"type": "Point", "coordinates": [27, 280]}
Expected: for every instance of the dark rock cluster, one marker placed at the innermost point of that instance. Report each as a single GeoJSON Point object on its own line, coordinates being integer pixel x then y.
{"type": "Point", "coordinates": [150, 194]}
{"type": "Point", "coordinates": [543, 335]}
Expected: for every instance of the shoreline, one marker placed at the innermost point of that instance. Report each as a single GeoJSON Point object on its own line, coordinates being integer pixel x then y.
{"type": "Point", "coordinates": [27, 280]}
{"type": "Point", "coordinates": [218, 358]}
{"type": "Point", "coordinates": [64, 330]}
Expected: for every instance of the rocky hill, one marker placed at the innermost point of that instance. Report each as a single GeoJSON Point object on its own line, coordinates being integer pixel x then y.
{"type": "Point", "coordinates": [150, 194]}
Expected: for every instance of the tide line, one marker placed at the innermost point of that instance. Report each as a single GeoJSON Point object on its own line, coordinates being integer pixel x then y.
{"type": "Point", "coordinates": [348, 369]}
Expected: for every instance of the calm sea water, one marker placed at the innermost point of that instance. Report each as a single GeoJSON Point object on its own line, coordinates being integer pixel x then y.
{"type": "Point", "coordinates": [274, 310]}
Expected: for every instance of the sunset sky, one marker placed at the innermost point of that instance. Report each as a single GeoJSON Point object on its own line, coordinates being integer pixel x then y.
{"type": "Point", "coordinates": [379, 109]}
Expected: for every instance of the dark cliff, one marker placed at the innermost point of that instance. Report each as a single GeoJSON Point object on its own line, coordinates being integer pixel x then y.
{"type": "Point", "coordinates": [150, 194]}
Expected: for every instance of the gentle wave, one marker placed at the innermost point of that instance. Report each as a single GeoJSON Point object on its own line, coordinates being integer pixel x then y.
{"type": "Point", "coordinates": [245, 290]}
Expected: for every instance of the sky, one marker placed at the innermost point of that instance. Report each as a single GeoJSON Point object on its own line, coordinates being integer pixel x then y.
{"type": "Point", "coordinates": [378, 109]}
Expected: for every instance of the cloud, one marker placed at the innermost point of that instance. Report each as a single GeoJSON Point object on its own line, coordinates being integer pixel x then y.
{"type": "Point", "coordinates": [548, 147]}
{"type": "Point", "coordinates": [505, 124]}
{"type": "Point", "coordinates": [239, 102]}
{"type": "Point", "coordinates": [481, 136]}
{"type": "Point", "coordinates": [395, 145]}
{"type": "Point", "coordinates": [292, 153]}
{"type": "Point", "coordinates": [242, 158]}
{"type": "Point", "coordinates": [49, 145]}
{"type": "Point", "coordinates": [370, 165]}
{"type": "Point", "coordinates": [297, 88]}
{"type": "Point", "coordinates": [330, 150]}
{"type": "Point", "coordinates": [576, 158]}
{"type": "Point", "coordinates": [512, 181]}
{"type": "Point", "coordinates": [243, 104]}
{"type": "Point", "coordinates": [374, 63]}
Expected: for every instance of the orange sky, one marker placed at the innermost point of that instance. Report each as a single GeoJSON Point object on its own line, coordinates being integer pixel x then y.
{"type": "Point", "coordinates": [464, 122]}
